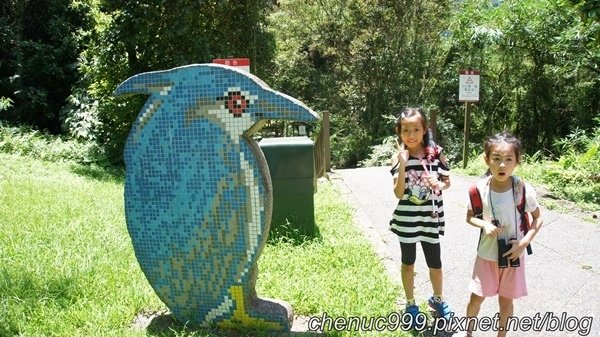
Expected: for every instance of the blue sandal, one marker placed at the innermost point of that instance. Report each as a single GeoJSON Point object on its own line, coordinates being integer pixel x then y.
{"type": "Point", "coordinates": [441, 308]}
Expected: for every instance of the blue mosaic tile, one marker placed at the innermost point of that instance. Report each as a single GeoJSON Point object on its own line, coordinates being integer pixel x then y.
{"type": "Point", "coordinates": [197, 189]}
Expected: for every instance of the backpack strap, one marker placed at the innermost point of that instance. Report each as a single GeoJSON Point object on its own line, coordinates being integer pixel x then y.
{"type": "Point", "coordinates": [476, 203]}
{"type": "Point", "coordinates": [525, 223]}
{"type": "Point", "coordinates": [477, 207]}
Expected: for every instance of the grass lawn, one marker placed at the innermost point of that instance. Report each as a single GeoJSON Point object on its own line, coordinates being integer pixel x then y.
{"type": "Point", "coordinates": [67, 267]}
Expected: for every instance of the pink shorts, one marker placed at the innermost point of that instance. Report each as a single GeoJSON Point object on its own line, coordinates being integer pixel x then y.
{"type": "Point", "coordinates": [489, 280]}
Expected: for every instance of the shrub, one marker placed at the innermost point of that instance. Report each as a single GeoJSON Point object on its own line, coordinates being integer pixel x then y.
{"type": "Point", "coordinates": [30, 142]}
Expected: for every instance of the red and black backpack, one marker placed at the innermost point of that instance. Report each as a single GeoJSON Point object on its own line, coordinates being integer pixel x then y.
{"type": "Point", "coordinates": [477, 206]}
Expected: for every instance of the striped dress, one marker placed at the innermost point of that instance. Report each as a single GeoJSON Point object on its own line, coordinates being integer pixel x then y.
{"type": "Point", "coordinates": [412, 220]}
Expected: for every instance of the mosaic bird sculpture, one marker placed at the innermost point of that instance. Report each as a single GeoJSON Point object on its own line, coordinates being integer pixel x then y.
{"type": "Point", "coordinates": [198, 191]}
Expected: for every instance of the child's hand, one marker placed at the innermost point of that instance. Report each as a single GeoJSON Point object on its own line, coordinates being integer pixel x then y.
{"type": "Point", "coordinates": [515, 251]}
{"type": "Point", "coordinates": [402, 153]}
{"type": "Point", "coordinates": [434, 182]}
{"type": "Point", "coordinates": [492, 230]}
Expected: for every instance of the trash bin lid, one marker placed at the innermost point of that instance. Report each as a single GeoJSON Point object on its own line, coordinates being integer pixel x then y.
{"type": "Point", "coordinates": [284, 141]}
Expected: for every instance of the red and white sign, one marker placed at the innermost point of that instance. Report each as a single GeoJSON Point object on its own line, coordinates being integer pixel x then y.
{"type": "Point", "coordinates": [468, 90]}
{"type": "Point", "coordinates": [240, 63]}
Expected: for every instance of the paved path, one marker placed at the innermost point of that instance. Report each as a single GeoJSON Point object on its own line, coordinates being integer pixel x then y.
{"type": "Point", "coordinates": [563, 273]}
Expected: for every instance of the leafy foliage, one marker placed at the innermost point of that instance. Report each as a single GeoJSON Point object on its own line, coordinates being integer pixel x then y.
{"type": "Point", "coordinates": [574, 175]}
{"type": "Point", "coordinates": [40, 43]}
{"type": "Point", "coordinates": [28, 142]}
{"type": "Point", "coordinates": [360, 60]}
{"type": "Point", "coordinates": [131, 37]}
{"type": "Point", "coordinates": [5, 103]}
{"type": "Point", "coordinates": [590, 9]}
{"type": "Point", "coordinates": [537, 72]}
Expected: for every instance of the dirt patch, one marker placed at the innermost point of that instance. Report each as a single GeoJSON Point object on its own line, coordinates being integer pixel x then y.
{"type": "Point", "coordinates": [163, 323]}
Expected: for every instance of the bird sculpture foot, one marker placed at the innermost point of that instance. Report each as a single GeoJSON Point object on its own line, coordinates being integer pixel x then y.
{"type": "Point", "coordinates": [275, 316]}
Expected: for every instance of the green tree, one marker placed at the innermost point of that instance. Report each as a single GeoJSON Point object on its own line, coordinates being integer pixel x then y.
{"type": "Point", "coordinates": [361, 60]}
{"type": "Point", "coordinates": [539, 70]}
{"type": "Point", "coordinates": [39, 45]}
{"type": "Point", "coordinates": [138, 36]}
{"type": "Point", "coordinates": [590, 9]}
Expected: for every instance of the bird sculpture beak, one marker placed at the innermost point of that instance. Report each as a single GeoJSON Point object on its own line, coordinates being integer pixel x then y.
{"type": "Point", "coordinates": [276, 105]}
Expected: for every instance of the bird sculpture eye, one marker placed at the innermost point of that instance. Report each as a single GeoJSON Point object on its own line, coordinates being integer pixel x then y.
{"type": "Point", "coordinates": [236, 103]}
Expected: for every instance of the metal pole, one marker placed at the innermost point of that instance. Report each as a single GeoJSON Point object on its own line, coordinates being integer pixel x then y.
{"type": "Point", "coordinates": [466, 132]}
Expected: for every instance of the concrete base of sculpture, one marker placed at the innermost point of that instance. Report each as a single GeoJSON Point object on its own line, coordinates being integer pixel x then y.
{"type": "Point", "coordinates": [158, 322]}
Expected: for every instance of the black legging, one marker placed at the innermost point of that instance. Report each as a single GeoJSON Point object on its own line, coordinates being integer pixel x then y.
{"type": "Point", "coordinates": [430, 250]}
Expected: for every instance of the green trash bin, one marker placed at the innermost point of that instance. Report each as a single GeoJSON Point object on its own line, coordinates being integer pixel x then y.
{"type": "Point", "coordinates": [291, 164]}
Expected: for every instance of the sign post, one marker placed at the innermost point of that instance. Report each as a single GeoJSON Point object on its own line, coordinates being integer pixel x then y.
{"type": "Point", "coordinates": [468, 92]}
{"type": "Point", "coordinates": [240, 63]}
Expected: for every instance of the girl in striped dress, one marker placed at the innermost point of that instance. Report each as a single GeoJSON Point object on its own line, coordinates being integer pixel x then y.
{"type": "Point", "coordinates": [420, 174]}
